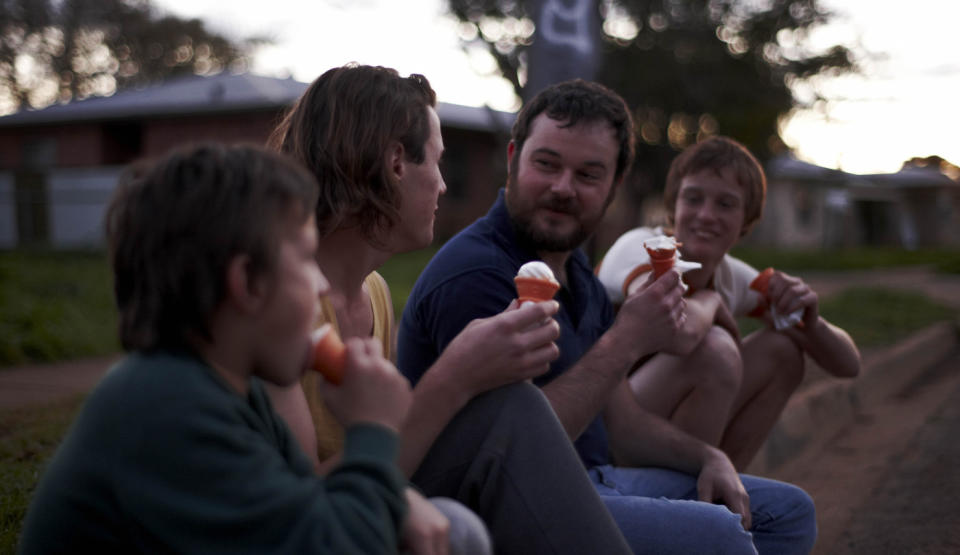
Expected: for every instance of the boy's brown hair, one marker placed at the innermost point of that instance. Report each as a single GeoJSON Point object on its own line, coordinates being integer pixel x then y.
{"type": "Point", "coordinates": [341, 129]}
{"type": "Point", "coordinates": [174, 224]}
{"type": "Point", "coordinates": [717, 154]}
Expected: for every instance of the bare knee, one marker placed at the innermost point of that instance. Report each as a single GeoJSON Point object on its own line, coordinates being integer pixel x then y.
{"type": "Point", "coordinates": [717, 362]}
{"type": "Point", "coordinates": [784, 355]}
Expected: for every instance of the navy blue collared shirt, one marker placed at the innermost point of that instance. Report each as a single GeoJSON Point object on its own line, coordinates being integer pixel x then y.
{"type": "Point", "coordinates": [472, 277]}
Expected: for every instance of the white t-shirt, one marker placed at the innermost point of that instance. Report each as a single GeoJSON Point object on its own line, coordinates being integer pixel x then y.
{"type": "Point", "coordinates": [627, 261]}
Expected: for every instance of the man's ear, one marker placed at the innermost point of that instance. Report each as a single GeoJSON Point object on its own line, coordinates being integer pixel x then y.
{"type": "Point", "coordinates": [244, 290]}
{"type": "Point", "coordinates": [394, 160]}
{"type": "Point", "coordinates": [511, 150]}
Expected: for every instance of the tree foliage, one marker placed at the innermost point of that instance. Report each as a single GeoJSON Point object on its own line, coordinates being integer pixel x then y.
{"type": "Point", "coordinates": [59, 50]}
{"type": "Point", "coordinates": [937, 163]}
{"type": "Point", "coordinates": [688, 68]}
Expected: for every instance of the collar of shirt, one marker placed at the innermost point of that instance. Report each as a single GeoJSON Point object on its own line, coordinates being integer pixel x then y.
{"type": "Point", "coordinates": [574, 296]}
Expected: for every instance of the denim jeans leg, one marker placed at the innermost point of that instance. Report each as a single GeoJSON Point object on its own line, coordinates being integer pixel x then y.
{"type": "Point", "coordinates": [784, 518]}
{"type": "Point", "coordinates": [658, 512]}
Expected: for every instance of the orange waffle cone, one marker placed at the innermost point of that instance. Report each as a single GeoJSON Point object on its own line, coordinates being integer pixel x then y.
{"type": "Point", "coordinates": [661, 265]}
{"type": "Point", "coordinates": [661, 260]}
{"type": "Point", "coordinates": [329, 354]}
{"type": "Point", "coordinates": [535, 290]}
{"type": "Point", "coordinates": [761, 283]}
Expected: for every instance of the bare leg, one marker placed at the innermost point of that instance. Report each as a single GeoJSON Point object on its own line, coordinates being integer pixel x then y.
{"type": "Point", "coordinates": [696, 392]}
{"type": "Point", "coordinates": [772, 370]}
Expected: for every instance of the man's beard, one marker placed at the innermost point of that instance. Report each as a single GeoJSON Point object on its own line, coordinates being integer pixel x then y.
{"type": "Point", "coordinates": [539, 240]}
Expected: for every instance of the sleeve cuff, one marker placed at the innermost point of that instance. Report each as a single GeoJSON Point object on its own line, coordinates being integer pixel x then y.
{"type": "Point", "coordinates": [370, 441]}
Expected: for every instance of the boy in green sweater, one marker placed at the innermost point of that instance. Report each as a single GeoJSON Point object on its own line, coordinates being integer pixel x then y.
{"type": "Point", "coordinates": [178, 448]}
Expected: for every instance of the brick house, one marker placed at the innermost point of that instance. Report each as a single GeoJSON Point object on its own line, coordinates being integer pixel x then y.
{"type": "Point", "coordinates": [811, 207]}
{"type": "Point", "coordinates": [59, 165]}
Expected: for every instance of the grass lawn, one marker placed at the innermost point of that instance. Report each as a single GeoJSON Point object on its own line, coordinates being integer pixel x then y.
{"type": "Point", "coordinates": [401, 272]}
{"type": "Point", "coordinates": [55, 306]}
{"type": "Point", "coordinates": [865, 258]}
{"type": "Point", "coordinates": [28, 438]}
{"type": "Point", "coordinates": [876, 317]}
{"type": "Point", "coordinates": [58, 305]}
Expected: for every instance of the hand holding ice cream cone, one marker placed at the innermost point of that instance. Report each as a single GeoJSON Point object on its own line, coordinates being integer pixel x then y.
{"type": "Point", "coordinates": [761, 284]}
{"type": "Point", "coordinates": [535, 282]}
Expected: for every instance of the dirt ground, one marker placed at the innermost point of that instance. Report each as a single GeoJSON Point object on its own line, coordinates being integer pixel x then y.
{"type": "Point", "coordinates": [889, 481]}
{"type": "Point", "coordinates": [40, 383]}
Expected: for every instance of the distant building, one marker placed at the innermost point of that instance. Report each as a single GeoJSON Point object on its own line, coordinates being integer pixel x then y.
{"type": "Point", "coordinates": [810, 207]}
{"type": "Point", "coordinates": [59, 165]}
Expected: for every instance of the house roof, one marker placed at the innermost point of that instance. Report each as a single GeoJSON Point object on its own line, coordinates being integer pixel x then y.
{"type": "Point", "coordinates": [914, 177]}
{"type": "Point", "coordinates": [786, 166]}
{"type": "Point", "coordinates": [219, 93]}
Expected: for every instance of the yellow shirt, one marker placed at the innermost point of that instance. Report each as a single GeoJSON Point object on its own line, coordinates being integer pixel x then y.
{"type": "Point", "coordinates": [329, 431]}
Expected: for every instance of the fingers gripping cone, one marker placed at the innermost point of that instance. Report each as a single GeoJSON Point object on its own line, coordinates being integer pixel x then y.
{"type": "Point", "coordinates": [329, 354]}
{"type": "Point", "coordinates": [761, 284]}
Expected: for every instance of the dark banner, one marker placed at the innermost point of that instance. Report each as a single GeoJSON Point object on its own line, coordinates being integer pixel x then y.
{"type": "Point", "coordinates": [565, 43]}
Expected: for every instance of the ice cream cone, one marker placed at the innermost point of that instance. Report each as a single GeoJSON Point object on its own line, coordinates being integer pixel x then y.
{"type": "Point", "coordinates": [662, 260]}
{"type": "Point", "coordinates": [662, 265]}
{"type": "Point", "coordinates": [535, 290]}
{"type": "Point", "coordinates": [761, 283]}
{"type": "Point", "coordinates": [329, 354]}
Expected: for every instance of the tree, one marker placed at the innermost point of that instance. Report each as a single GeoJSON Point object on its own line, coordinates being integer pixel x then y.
{"type": "Point", "coordinates": [934, 162]}
{"type": "Point", "coordinates": [60, 50]}
{"type": "Point", "coordinates": [687, 68]}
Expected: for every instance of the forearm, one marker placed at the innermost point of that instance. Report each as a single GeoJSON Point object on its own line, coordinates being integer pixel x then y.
{"type": "Point", "coordinates": [641, 438]}
{"type": "Point", "coordinates": [582, 392]}
{"type": "Point", "coordinates": [830, 347]}
{"type": "Point", "coordinates": [436, 400]}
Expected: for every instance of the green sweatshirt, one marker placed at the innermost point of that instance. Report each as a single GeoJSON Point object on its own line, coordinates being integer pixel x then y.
{"type": "Point", "coordinates": [166, 457]}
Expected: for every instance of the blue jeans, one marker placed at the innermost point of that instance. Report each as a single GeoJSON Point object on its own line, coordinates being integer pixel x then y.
{"type": "Point", "coordinates": [658, 512]}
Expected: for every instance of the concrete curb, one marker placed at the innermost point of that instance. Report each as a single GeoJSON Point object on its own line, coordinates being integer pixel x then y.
{"type": "Point", "coordinates": [814, 414]}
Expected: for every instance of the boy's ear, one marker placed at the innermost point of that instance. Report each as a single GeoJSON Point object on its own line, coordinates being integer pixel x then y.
{"type": "Point", "coordinates": [245, 291]}
{"type": "Point", "coordinates": [395, 158]}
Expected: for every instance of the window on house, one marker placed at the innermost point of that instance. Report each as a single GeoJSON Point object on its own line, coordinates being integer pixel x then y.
{"type": "Point", "coordinates": [122, 142]}
{"type": "Point", "coordinates": [39, 153]}
{"type": "Point", "coordinates": [454, 169]}
{"type": "Point", "coordinates": [804, 207]}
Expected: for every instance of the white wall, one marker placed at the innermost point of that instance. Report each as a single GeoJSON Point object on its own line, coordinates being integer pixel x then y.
{"type": "Point", "coordinates": [78, 200]}
{"type": "Point", "coordinates": [8, 212]}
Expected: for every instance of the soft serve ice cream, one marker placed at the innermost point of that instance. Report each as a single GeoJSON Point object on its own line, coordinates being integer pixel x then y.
{"type": "Point", "coordinates": [535, 282]}
{"type": "Point", "coordinates": [663, 253]}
